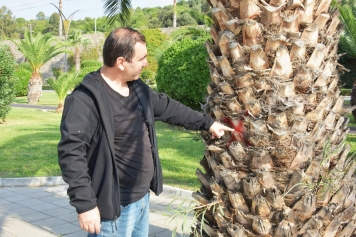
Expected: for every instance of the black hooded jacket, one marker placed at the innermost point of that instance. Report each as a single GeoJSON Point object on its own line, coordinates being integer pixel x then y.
{"type": "Point", "coordinates": [86, 150]}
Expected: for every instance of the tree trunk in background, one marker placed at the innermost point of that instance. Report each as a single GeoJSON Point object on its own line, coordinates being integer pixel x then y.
{"type": "Point", "coordinates": [77, 59]}
{"type": "Point", "coordinates": [174, 13]}
{"type": "Point", "coordinates": [60, 107]}
{"type": "Point", "coordinates": [34, 88]}
{"type": "Point", "coordinates": [285, 170]}
{"type": "Point", "coordinates": [60, 19]}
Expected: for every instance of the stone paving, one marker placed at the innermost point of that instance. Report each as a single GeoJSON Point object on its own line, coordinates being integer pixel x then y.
{"type": "Point", "coordinates": [45, 212]}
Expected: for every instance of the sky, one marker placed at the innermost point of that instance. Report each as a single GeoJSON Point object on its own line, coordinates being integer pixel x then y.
{"type": "Point", "coordinates": [28, 9]}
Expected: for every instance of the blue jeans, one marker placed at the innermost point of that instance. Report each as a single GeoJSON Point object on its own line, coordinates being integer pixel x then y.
{"type": "Point", "coordinates": [133, 221]}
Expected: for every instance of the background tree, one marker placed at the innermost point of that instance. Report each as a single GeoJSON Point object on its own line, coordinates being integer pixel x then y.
{"type": "Point", "coordinates": [38, 50]}
{"type": "Point", "coordinates": [53, 22]}
{"type": "Point", "coordinates": [77, 41]}
{"type": "Point", "coordinates": [7, 24]}
{"type": "Point", "coordinates": [139, 19]}
{"type": "Point", "coordinates": [41, 16]}
{"type": "Point", "coordinates": [7, 80]}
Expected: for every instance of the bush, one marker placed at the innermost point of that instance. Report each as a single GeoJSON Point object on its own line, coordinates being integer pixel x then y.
{"type": "Point", "coordinates": [148, 76]}
{"type": "Point", "coordinates": [23, 77]}
{"type": "Point", "coordinates": [91, 52]}
{"type": "Point", "coordinates": [90, 63]}
{"type": "Point", "coordinates": [25, 65]}
{"type": "Point", "coordinates": [345, 92]}
{"type": "Point", "coordinates": [154, 39]}
{"type": "Point", "coordinates": [183, 72]}
{"type": "Point", "coordinates": [84, 71]}
{"type": "Point", "coordinates": [7, 80]}
{"type": "Point", "coordinates": [347, 79]}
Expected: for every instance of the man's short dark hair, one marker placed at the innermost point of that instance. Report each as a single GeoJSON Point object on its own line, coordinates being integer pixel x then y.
{"type": "Point", "coordinates": [120, 43]}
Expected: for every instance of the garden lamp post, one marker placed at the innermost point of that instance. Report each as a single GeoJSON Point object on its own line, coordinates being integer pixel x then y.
{"type": "Point", "coordinates": [66, 25]}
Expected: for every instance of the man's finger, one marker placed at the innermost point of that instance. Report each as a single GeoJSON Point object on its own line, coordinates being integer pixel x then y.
{"type": "Point", "coordinates": [97, 228]}
{"type": "Point", "coordinates": [92, 229]}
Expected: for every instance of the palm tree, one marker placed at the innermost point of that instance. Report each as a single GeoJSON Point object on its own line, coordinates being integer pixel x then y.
{"type": "Point", "coordinates": [117, 10]}
{"type": "Point", "coordinates": [38, 50]}
{"type": "Point", "coordinates": [77, 40]}
{"type": "Point", "coordinates": [285, 171]}
{"type": "Point", "coordinates": [62, 85]}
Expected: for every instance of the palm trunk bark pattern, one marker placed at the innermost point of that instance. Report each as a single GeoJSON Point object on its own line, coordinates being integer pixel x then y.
{"type": "Point", "coordinates": [34, 88]}
{"type": "Point", "coordinates": [285, 171]}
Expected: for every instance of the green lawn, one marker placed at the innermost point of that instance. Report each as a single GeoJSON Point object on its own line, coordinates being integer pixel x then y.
{"type": "Point", "coordinates": [29, 139]}
{"type": "Point", "coordinates": [47, 98]}
{"type": "Point", "coordinates": [31, 136]}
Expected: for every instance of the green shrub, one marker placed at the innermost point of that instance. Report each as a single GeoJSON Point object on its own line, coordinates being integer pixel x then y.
{"type": "Point", "coordinates": [91, 52]}
{"type": "Point", "coordinates": [25, 65]}
{"type": "Point", "coordinates": [23, 77]}
{"type": "Point", "coordinates": [347, 79]}
{"type": "Point", "coordinates": [84, 71]}
{"type": "Point", "coordinates": [148, 76]}
{"type": "Point", "coordinates": [7, 80]}
{"type": "Point", "coordinates": [183, 72]}
{"type": "Point", "coordinates": [154, 39]}
{"type": "Point", "coordinates": [90, 63]}
{"type": "Point", "coordinates": [345, 92]}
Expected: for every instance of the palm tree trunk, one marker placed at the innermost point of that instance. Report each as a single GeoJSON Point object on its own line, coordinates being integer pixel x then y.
{"type": "Point", "coordinates": [60, 107]}
{"type": "Point", "coordinates": [34, 88]}
{"type": "Point", "coordinates": [286, 171]}
{"type": "Point", "coordinates": [77, 59]}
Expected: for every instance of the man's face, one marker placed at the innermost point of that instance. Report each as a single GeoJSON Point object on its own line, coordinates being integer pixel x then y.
{"type": "Point", "coordinates": [134, 68]}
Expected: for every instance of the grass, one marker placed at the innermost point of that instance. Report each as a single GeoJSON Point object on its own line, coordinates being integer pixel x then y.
{"type": "Point", "coordinates": [29, 147]}
{"type": "Point", "coordinates": [30, 136]}
{"type": "Point", "coordinates": [47, 98]}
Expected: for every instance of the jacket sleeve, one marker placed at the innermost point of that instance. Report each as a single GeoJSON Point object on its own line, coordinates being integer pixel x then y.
{"type": "Point", "coordinates": [168, 110]}
{"type": "Point", "coordinates": [77, 128]}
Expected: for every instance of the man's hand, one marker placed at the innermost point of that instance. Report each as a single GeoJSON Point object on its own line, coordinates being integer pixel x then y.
{"type": "Point", "coordinates": [218, 130]}
{"type": "Point", "coordinates": [90, 221]}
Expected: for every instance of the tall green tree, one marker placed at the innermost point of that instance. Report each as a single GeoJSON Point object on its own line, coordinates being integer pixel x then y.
{"type": "Point", "coordinates": [38, 50]}
{"type": "Point", "coordinates": [7, 23]}
{"type": "Point", "coordinates": [41, 16]}
{"type": "Point", "coordinates": [53, 24]}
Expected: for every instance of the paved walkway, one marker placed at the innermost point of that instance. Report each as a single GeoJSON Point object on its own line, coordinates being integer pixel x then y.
{"type": "Point", "coordinates": [45, 212]}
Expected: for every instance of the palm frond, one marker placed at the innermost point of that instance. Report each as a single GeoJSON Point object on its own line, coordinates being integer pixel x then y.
{"type": "Point", "coordinates": [348, 40]}
{"type": "Point", "coordinates": [117, 10]}
{"type": "Point", "coordinates": [63, 84]}
{"type": "Point", "coordinates": [192, 32]}
{"type": "Point", "coordinates": [39, 49]}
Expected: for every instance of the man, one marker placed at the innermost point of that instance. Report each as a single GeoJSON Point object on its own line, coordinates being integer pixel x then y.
{"type": "Point", "coordinates": [108, 148]}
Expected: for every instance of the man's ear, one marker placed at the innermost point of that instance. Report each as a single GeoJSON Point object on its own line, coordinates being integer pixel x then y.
{"type": "Point", "coordinates": [120, 63]}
